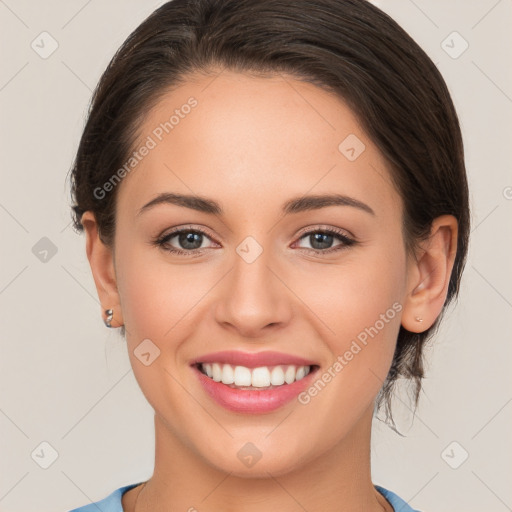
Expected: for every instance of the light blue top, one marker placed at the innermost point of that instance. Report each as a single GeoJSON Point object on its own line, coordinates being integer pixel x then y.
{"type": "Point", "coordinates": [112, 503]}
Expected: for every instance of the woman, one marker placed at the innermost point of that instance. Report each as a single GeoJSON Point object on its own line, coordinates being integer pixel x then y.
{"type": "Point", "coordinates": [276, 214]}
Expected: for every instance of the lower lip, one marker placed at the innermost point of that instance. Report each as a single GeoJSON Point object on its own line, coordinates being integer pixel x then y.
{"type": "Point", "coordinates": [253, 401]}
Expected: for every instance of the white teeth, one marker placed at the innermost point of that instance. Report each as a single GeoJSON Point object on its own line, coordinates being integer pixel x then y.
{"type": "Point", "coordinates": [261, 377]}
{"type": "Point", "coordinates": [242, 376]}
{"type": "Point", "coordinates": [301, 373]}
{"type": "Point", "coordinates": [289, 375]}
{"type": "Point", "coordinates": [217, 372]}
{"type": "Point", "coordinates": [277, 376]}
{"type": "Point", "coordinates": [207, 367]}
{"type": "Point", "coordinates": [228, 374]}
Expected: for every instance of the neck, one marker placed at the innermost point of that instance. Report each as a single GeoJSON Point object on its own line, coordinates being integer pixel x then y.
{"type": "Point", "coordinates": [334, 481]}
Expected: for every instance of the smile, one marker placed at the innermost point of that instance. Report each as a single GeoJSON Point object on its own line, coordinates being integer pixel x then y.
{"type": "Point", "coordinates": [263, 377]}
{"type": "Point", "coordinates": [252, 390]}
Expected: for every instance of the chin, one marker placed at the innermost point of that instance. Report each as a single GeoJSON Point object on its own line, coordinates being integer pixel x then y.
{"type": "Point", "coordinates": [249, 462]}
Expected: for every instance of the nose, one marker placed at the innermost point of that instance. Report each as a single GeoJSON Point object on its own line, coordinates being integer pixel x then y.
{"type": "Point", "coordinates": [253, 300]}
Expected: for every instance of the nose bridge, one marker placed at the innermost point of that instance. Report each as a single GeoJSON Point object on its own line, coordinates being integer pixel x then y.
{"type": "Point", "coordinates": [252, 297]}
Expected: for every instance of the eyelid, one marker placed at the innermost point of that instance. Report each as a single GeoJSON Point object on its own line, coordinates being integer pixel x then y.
{"type": "Point", "coordinates": [324, 227]}
{"type": "Point", "coordinates": [341, 234]}
{"type": "Point", "coordinates": [349, 239]}
{"type": "Point", "coordinates": [187, 227]}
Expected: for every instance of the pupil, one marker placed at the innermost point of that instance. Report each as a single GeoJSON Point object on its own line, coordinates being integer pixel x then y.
{"type": "Point", "coordinates": [324, 239]}
{"type": "Point", "coordinates": [187, 240]}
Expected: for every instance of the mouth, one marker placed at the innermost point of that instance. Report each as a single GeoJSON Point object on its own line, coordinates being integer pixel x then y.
{"type": "Point", "coordinates": [255, 379]}
{"type": "Point", "coordinates": [253, 382]}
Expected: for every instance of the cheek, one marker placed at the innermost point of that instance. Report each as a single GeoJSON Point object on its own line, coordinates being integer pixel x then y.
{"type": "Point", "coordinates": [156, 298]}
{"type": "Point", "coordinates": [362, 309]}
{"type": "Point", "coordinates": [359, 304]}
{"type": "Point", "coordinates": [155, 294]}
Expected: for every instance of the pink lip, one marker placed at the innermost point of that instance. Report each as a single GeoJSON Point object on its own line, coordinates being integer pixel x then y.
{"type": "Point", "coordinates": [253, 359]}
{"type": "Point", "coordinates": [253, 401]}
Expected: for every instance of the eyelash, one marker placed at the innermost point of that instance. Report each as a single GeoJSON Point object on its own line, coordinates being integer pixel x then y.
{"type": "Point", "coordinates": [347, 241]}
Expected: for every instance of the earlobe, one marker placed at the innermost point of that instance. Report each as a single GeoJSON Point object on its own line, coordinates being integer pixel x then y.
{"type": "Point", "coordinates": [101, 260]}
{"type": "Point", "coordinates": [429, 276]}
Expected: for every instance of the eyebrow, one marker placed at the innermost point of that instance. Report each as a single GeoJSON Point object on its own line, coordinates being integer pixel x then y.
{"type": "Point", "coordinates": [294, 205]}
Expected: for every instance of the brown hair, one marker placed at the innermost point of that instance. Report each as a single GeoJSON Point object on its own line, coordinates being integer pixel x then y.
{"type": "Point", "coordinates": [348, 47]}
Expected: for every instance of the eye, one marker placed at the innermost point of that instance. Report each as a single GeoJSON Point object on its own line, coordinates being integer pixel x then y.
{"type": "Point", "coordinates": [321, 240]}
{"type": "Point", "coordinates": [192, 242]}
{"type": "Point", "coordinates": [189, 241]}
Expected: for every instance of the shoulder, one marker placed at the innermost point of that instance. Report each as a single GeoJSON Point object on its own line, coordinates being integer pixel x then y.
{"type": "Point", "coordinates": [112, 503]}
{"type": "Point", "coordinates": [397, 503]}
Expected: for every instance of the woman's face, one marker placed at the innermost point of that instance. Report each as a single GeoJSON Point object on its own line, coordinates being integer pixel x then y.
{"type": "Point", "coordinates": [260, 276]}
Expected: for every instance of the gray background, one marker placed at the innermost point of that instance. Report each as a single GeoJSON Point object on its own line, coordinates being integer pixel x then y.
{"type": "Point", "coordinates": [66, 379]}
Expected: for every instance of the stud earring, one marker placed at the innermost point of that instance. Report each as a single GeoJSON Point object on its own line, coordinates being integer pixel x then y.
{"type": "Point", "coordinates": [110, 315]}
{"type": "Point", "coordinates": [418, 319]}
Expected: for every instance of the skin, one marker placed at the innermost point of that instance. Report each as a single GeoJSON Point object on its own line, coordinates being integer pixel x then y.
{"type": "Point", "coordinates": [251, 144]}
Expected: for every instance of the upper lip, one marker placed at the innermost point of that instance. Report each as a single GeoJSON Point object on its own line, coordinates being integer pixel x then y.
{"type": "Point", "coordinates": [253, 359]}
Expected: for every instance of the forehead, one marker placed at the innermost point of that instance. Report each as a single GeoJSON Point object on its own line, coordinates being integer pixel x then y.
{"type": "Point", "coordinates": [231, 134]}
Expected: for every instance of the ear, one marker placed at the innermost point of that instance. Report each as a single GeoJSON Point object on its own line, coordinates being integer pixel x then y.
{"type": "Point", "coordinates": [429, 275]}
{"type": "Point", "coordinates": [101, 259]}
